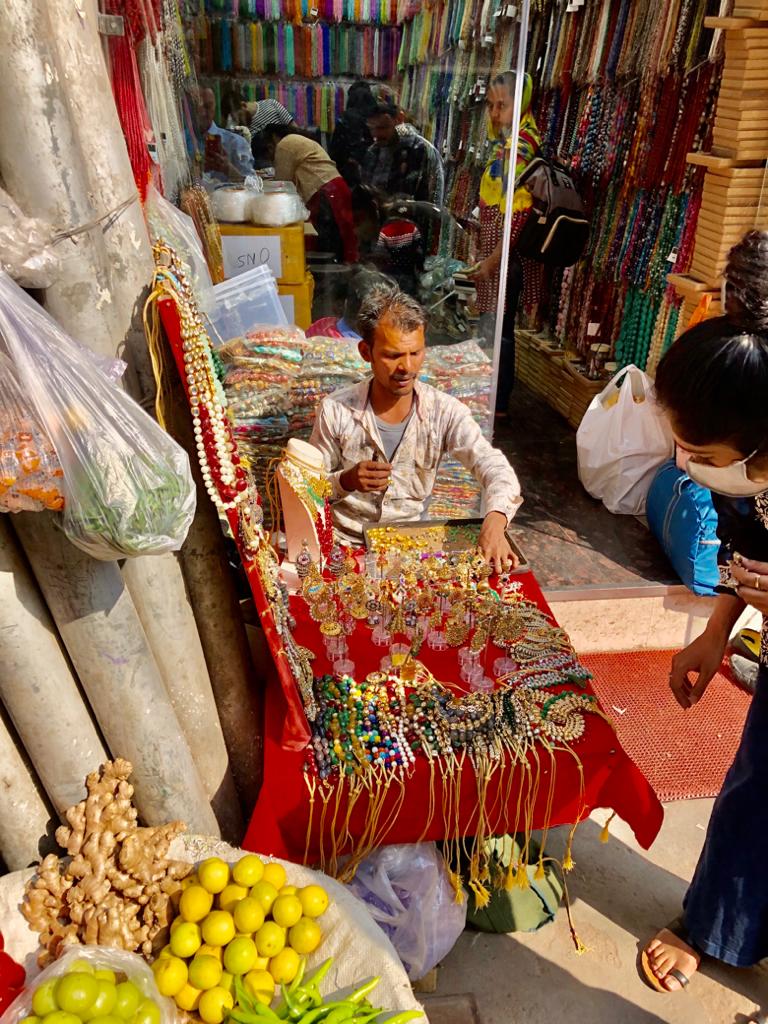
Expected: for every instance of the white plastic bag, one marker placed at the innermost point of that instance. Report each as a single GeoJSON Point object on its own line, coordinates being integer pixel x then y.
{"type": "Point", "coordinates": [166, 221]}
{"type": "Point", "coordinates": [127, 485]}
{"type": "Point", "coordinates": [100, 957]}
{"type": "Point", "coordinates": [408, 893]}
{"type": "Point", "coordinates": [623, 439]}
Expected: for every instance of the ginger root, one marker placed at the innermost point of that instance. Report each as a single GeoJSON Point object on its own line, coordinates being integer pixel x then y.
{"type": "Point", "coordinates": [116, 889]}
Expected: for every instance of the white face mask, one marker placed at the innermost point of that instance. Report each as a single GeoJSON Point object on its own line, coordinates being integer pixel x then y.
{"type": "Point", "coordinates": [731, 481]}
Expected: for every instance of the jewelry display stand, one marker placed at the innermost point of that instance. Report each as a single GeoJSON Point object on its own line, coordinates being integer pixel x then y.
{"type": "Point", "coordinates": [303, 485]}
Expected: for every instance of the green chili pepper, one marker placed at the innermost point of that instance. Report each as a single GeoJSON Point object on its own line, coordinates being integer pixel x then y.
{"type": "Point", "coordinates": [359, 994]}
{"type": "Point", "coordinates": [340, 1014]}
{"type": "Point", "coordinates": [259, 1015]}
{"type": "Point", "coordinates": [296, 983]}
{"type": "Point", "coordinates": [319, 974]}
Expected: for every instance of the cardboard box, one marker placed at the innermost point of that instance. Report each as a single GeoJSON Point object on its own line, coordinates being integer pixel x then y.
{"type": "Point", "coordinates": [246, 246]}
{"type": "Point", "coordinates": [297, 301]}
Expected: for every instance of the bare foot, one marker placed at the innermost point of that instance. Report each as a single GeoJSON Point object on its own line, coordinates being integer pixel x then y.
{"type": "Point", "coordinates": [667, 952]}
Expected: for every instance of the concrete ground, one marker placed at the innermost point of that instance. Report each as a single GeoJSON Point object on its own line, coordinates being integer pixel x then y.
{"type": "Point", "coordinates": [621, 894]}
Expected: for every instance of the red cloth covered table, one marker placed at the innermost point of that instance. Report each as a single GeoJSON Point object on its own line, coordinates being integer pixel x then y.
{"type": "Point", "coordinates": [281, 817]}
{"type": "Point", "coordinates": [550, 790]}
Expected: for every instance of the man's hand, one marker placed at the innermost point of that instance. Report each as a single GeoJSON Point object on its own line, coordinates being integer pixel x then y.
{"type": "Point", "coordinates": [219, 163]}
{"type": "Point", "coordinates": [703, 657]}
{"type": "Point", "coordinates": [494, 545]}
{"type": "Point", "coordinates": [367, 476]}
{"type": "Point", "coordinates": [753, 577]}
{"type": "Point", "coordinates": [484, 270]}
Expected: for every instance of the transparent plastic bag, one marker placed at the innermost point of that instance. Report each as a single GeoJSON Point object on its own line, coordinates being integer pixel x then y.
{"type": "Point", "coordinates": [26, 246]}
{"type": "Point", "coordinates": [128, 489]}
{"type": "Point", "coordinates": [278, 207]}
{"type": "Point", "coordinates": [408, 893]}
{"type": "Point", "coordinates": [166, 221]}
{"type": "Point", "coordinates": [118, 960]}
{"type": "Point", "coordinates": [30, 474]}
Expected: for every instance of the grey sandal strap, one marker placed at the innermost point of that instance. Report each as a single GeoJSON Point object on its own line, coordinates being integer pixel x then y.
{"type": "Point", "coordinates": [678, 976]}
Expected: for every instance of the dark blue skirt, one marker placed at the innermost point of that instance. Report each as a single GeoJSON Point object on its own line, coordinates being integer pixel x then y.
{"type": "Point", "coordinates": [726, 906]}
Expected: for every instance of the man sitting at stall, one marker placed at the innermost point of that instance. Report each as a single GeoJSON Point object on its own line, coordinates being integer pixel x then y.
{"type": "Point", "coordinates": [383, 439]}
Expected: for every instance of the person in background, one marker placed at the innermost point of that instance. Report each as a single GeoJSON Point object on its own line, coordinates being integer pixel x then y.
{"type": "Point", "coordinates": [713, 384]}
{"type": "Point", "coordinates": [227, 156]}
{"type": "Point", "coordinates": [395, 164]}
{"type": "Point", "coordinates": [523, 274]}
{"type": "Point", "coordinates": [382, 439]}
{"type": "Point", "coordinates": [304, 162]}
{"type": "Point", "coordinates": [345, 326]}
{"type": "Point", "coordinates": [351, 138]}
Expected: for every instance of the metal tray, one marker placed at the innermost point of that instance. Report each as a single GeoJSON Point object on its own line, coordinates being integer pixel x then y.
{"type": "Point", "coordinates": [458, 543]}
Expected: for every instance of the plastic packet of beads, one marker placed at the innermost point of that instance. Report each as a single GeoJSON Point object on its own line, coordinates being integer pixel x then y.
{"type": "Point", "coordinates": [165, 221]}
{"type": "Point", "coordinates": [30, 474]}
{"type": "Point", "coordinates": [127, 485]}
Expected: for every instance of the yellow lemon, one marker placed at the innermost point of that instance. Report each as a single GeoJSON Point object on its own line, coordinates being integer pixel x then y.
{"type": "Point", "coordinates": [213, 874]}
{"type": "Point", "coordinates": [305, 936]}
{"type": "Point", "coordinates": [195, 903]}
{"type": "Point", "coordinates": [314, 900]}
{"type": "Point", "coordinates": [240, 955]}
{"type": "Point", "coordinates": [230, 895]}
{"type": "Point", "coordinates": [218, 928]}
{"type": "Point", "coordinates": [286, 911]}
{"type": "Point", "coordinates": [190, 880]}
{"type": "Point", "coordinates": [188, 998]}
{"type": "Point", "coordinates": [269, 939]}
{"type": "Point", "coordinates": [205, 972]}
{"type": "Point", "coordinates": [262, 963]}
{"type": "Point", "coordinates": [249, 870]}
{"type": "Point", "coordinates": [227, 981]}
{"type": "Point", "coordinates": [185, 940]}
{"type": "Point", "coordinates": [261, 985]}
{"type": "Point", "coordinates": [284, 966]}
{"type": "Point", "coordinates": [164, 952]}
{"type": "Point", "coordinates": [288, 890]}
{"type": "Point", "coordinates": [265, 893]}
{"type": "Point", "coordinates": [248, 915]}
{"type": "Point", "coordinates": [214, 1005]}
{"type": "Point", "coordinates": [170, 975]}
{"type": "Point", "coordinates": [274, 873]}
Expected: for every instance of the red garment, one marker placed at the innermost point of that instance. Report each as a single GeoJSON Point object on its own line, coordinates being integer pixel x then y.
{"type": "Point", "coordinates": [280, 820]}
{"type": "Point", "coordinates": [325, 327]}
{"type": "Point", "coordinates": [338, 196]}
{"type": "Point", "coordinates": [12, 978]}
{"type": "Point", "coordinates": [491, 229]}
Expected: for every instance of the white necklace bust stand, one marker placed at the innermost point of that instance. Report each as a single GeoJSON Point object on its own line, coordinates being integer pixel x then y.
{"type": "Point", "coordinates": [301, 461]}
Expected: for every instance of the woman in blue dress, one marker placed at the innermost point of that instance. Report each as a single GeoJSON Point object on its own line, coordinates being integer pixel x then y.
{"type": "Point", "coordinates": [713, 384]}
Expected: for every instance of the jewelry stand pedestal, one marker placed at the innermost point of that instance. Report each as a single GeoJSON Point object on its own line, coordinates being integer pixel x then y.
{"type": "Point", "coordinates": [299, 524]}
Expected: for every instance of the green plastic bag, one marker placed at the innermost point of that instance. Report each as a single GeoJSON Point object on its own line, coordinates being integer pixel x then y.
{"type": "Point", "coordinates": [516, 909]}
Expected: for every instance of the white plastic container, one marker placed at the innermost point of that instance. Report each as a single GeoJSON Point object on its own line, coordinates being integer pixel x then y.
{"type": "Point", "coordinates": [244, 302]}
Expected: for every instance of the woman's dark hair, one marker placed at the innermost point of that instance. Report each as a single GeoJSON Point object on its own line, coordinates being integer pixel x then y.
{"type": "Point", "coordinates": [714, 379]}
{"type": "Point", "coordinates": [360, 98]}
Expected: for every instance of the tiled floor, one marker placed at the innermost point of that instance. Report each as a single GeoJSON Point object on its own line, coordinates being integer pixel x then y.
{"type": "Point", "coordinates": [571, 540]}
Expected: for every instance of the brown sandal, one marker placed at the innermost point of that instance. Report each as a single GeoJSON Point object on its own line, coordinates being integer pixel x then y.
{"type": "Point", "coordinates": [677, 929]}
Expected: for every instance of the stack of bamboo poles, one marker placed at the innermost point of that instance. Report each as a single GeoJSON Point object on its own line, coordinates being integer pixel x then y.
{"type": "Point", "coordinates": [733, 200]}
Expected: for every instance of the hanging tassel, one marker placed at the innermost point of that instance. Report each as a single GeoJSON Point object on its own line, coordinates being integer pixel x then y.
{"type": "Point", "coordinates": [539, 875]}
{"type": "Point", "coordinates": [482, 896]}
{"type": "Point", "coordinates": [605, 834]}
{"type": "Point", "coordinates": [457, 883]}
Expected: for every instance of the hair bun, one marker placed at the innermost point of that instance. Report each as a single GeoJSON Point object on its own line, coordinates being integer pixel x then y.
{"type": "Point", "coordinates": [746, 277]}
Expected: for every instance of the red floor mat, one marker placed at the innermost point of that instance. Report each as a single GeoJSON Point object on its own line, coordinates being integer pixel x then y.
{"type": "Point", "coordinates": [683, 754]}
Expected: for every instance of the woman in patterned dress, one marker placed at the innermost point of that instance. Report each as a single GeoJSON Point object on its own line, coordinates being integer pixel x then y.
{"type": "Point", "coordinates": [523, 276]}
{"type": "Point", "coordinates": [713, 384]}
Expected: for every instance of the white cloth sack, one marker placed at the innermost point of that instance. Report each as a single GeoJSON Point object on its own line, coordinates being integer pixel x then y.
{"type": "Point", "coordinates": [350, 935]}
{"type": "Point", "coordinates": [623, 439]}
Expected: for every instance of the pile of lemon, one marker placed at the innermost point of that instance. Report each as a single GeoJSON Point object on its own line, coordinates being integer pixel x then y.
{"type": "Point", "coordinates": [247, 923]}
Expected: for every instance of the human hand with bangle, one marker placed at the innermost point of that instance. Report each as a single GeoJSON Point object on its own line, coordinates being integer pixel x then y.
{"type": "Point", "coordinates": [753, 582]}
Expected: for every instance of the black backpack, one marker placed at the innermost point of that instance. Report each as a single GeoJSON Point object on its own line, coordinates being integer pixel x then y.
{"type": "Point", "coordinates": [557, 230]}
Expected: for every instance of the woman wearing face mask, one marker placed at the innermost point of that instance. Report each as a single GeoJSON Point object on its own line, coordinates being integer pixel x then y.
{"type": "Point", "coordinates": [522, 274]}
{"type": "Point", "coordinates": [713, 384]}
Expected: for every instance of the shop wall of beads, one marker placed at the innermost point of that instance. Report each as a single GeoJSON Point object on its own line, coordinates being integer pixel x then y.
{"type": "Point", "coordinates": [733, 193]}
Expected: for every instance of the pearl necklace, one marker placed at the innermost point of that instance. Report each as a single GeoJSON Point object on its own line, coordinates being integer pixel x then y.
{"type": "Point", "coordinates": [223, 476]}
